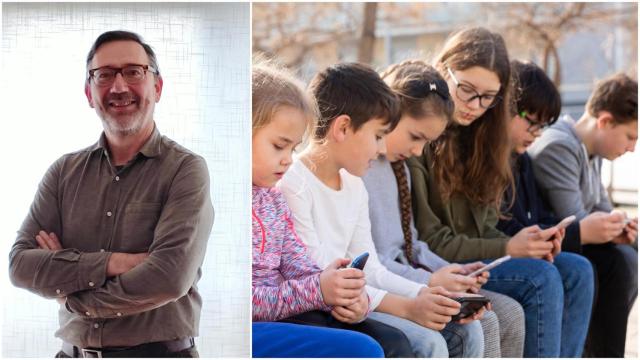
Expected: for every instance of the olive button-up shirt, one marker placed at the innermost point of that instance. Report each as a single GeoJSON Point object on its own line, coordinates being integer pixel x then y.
{"type": "Point", "coordinates": [158, 203]}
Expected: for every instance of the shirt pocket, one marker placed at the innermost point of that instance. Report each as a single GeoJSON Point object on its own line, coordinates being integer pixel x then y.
{"type": "Point", "coordinates": [138, 226]}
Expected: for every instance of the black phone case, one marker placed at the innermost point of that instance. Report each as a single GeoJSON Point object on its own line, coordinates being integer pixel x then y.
{"type": "Point", "coordinates": [469, 306]}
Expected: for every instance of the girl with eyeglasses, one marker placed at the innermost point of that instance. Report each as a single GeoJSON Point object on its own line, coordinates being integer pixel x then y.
{"type": "Point", "coordinates": [458, 185]}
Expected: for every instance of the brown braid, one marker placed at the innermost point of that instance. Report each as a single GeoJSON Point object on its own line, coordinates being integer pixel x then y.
{"type": "Point", "coordinates": [405, 206]}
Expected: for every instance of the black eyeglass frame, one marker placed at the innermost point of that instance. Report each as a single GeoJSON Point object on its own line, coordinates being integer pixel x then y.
{"type": "Point", "coordinates": [145, 69]}
{"type": "Point", "coordinates": [494, 102]}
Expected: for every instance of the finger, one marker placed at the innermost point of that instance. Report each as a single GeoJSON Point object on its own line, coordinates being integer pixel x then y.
{"type": "Point", "coordinates": [464, 280]}
{"type": "Point", "coordinates": [466, 320]}
{"type": "Point", "coordinates": [441, 318]}
{"type": "Point", "coordinates": [446, 310]}
{"type": "Point", "coordinates": [55, 241]}
{"type": "Point", "coordinates": [41, 243]}
{"type": "Point", "coordinates": [348, 294]}
{"type": "Point", "coordinates": [353, 284]}
{"type": "Point", "coordinates": [474, 289]}
{"type": "Point", "coordinates": [345, 312]}
{"type": "Point", "coordinates": [434, 325]}
{"type": "Point", "coordinates": [351, 273]}
{"type": "Point", "coordinates": [338, 316]}
{"type": "Point", "coordinates": [439, 290]}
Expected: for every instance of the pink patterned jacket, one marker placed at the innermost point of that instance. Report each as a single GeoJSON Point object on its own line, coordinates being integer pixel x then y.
{"type": "Point", "coordinates": [285, 281]}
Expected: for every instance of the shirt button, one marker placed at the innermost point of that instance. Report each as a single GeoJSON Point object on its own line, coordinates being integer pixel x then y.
{"type": "Point", "coordinates": [96, 325]}
{"type": "Point", "coordinates": [109, 213]}
{"type": "Point", "coordinates": [101, 250]}
{"type": "Point", "coordinates": [58, 291]}
{"type": "Point", "coordinates": [119, 314]}
{"type": "Point", "coordinates": [117, 178]}
{"type": "Point", "coordinates": [91, 283]}
{"type": "Point", "coordinates": [88, 313]}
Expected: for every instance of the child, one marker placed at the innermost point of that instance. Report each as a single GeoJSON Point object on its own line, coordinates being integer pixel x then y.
{"type": "Point", "coordinates": [330, 208]}
{"type": "Point", "coordinates": [426, 108]}
{"type": "Point", "coordinates": [285, 281]}
{"type": "Point", "coordinates": [457, 188]}
{"type": "Point", "coordinates": [566, 164]}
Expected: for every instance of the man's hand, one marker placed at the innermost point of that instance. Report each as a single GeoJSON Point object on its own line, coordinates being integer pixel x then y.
{"type": "Point", "coordinates": [120, 263]}
{"type": "Point", "coordinates": [433, 308]}
{"type": "Point", "coordinates": [531, 242]}
{"type": "Point", "coordinates": [453, 278]}
{"type": "Point", "coordinates": [48, 241]}
{"type": "Point", "coordinates": [600, 227]}
{"type": "Point", "coordinates": [340, 286]}
{"type": "Point", "coordinates": [353, 313]}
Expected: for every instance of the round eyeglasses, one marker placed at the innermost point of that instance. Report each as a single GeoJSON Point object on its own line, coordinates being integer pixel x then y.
{"type": "Point", "coordinates": [467, 94]}
{"type": "Point", "coordinates": [132, 74]}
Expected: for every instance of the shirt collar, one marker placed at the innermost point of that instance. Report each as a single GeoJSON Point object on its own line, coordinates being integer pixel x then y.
{"type": "Point", "coordinates": [150, 149]}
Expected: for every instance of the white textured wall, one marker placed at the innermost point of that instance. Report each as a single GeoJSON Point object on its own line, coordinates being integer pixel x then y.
{"type": "Point", "coordinates": [203, 52]}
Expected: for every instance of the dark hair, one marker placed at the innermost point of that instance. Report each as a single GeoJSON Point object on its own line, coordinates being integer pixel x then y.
{"type": "Point", "coordinates": [474, 160]}
{"type": "Point", "coordinates": [422, 92]}
{"type": "Point", "coordinates": [122, 35]}
{"type": "Point", "coordinates": [420, 88]}
{"type": "Point", "coordinates": [534, 92]}
{"type": "Point", "coordinates": [355, 90]}
{"type": "Point", "coordinates": [617, 94]}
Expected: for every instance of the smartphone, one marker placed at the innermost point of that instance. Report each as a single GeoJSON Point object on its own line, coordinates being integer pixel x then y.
{"type": "Point", "coordinates": [490, 266]}
{"type": "Point", "coordinates": [469, 305]}
{"type": "Point", "coordinates": [566, 222]}
{"type": "Point", "coordinates": [359, 261]}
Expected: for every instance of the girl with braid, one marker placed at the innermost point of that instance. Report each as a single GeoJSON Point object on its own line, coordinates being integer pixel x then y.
{"type": "Point", "coordinates": [426, 109]}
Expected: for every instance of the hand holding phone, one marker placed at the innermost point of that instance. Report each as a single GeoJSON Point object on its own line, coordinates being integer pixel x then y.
{"type": "Point", "coordinates": [469, 305]}
{"type": "Point", "coordinates": [490, 265]}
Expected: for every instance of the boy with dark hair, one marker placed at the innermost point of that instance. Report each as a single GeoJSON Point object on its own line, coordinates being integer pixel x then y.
{"type": "Point", "coordinates": [567, 163]}
{"type": "Point", "coordinates": [330, 210]}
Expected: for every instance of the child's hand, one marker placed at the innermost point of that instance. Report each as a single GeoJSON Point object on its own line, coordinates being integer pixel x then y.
{"type": "Point", "coordinates": [353, 313]}
{"type": "Point", "coordinates": [339, 286]}
{"type": "Point", "coordinates": [453, 278]}
{"type": "Point", "coordinates": [531, 242]}
{"type": "Point", "coordinates": [480, 279]}
{"type": "Point", "coordinates": [433, 308]}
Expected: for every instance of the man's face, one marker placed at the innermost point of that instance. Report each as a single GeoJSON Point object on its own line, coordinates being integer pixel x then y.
{"type": "Point", "coordinates": [614, 140]}
{"type": "Point", "coordinates": [124, 108]}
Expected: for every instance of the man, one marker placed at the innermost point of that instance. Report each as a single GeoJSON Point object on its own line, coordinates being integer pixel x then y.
{"type": "Point", "coordinates": [117, 232]}
{"type": "Point", "coordinates": [567, 160]}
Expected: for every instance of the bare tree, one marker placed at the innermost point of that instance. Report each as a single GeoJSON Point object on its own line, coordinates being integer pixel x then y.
{"type": "Point", "coordinates": [368, 35]}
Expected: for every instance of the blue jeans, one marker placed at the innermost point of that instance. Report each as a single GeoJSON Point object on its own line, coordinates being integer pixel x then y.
{"type": "Point", "coordinates": [556, 299]}
{"type": "Point", "coordinates": [454, 340]}
{"type": "Point", "coordinates": [273, 339]}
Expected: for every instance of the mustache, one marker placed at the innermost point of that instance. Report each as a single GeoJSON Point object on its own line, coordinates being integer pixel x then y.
{"type": "Point", "coordinates": [125, 96]}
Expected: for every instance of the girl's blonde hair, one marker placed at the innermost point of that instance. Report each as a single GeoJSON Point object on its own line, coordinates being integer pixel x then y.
{"type": "Point", "coordinates": [272, 86]}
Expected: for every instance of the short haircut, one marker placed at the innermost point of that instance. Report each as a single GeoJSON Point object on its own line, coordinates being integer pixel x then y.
{"type": "Point", "coordinates": [355, 90]}
{"type": "Point", "coordinates": [617, 94]}
{"type": "Point", "coordinates": [534, 92]}
{"type": "Point", "coordinates": [272, 87]}
{"type": "Point", "coordinates": [122, 35]}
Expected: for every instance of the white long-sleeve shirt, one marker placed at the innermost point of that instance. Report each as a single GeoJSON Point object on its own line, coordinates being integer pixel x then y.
{"type": "Point", "coordinates": [335, 223]}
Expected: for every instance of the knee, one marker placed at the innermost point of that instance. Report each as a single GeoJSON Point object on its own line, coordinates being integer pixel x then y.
{"type": "Point", "coordinates": [473, 341]}
{"type": "Point", "coordinates": [547, 278]}
{"type": "Point", "coordinates": [576, 270]}
{"type": "Point", "coordinates": [431, 344]}
{"type": "Point", "coordinates": [363, 346]}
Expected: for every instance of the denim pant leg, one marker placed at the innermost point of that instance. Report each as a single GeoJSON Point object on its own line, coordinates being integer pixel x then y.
{"type": "Point", "coordinates": [537, 286]}
{"type": "Point", "coordinates": [464, 341]}
{"type": "Point", "coordinates": [577, 279]}
{"type": "Point", "coordinates": [425, 342]}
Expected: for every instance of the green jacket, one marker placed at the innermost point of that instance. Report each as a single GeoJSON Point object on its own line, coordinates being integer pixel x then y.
{"type": "Point", "coordinates": [456, 230]}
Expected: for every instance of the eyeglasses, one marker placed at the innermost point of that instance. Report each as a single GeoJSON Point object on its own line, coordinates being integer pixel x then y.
{"type": "Point", "coordinates": [132, 74]}
{"type": "Point", "coordinates": [535, 127]}
{"type": "Point", "coordinates": [467, 94]}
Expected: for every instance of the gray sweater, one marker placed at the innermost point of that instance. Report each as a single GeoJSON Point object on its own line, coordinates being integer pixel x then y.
{"type": "Point", "coordinates": [567, 177]}
{"type": "Point", "coordinates": [386, 226]}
